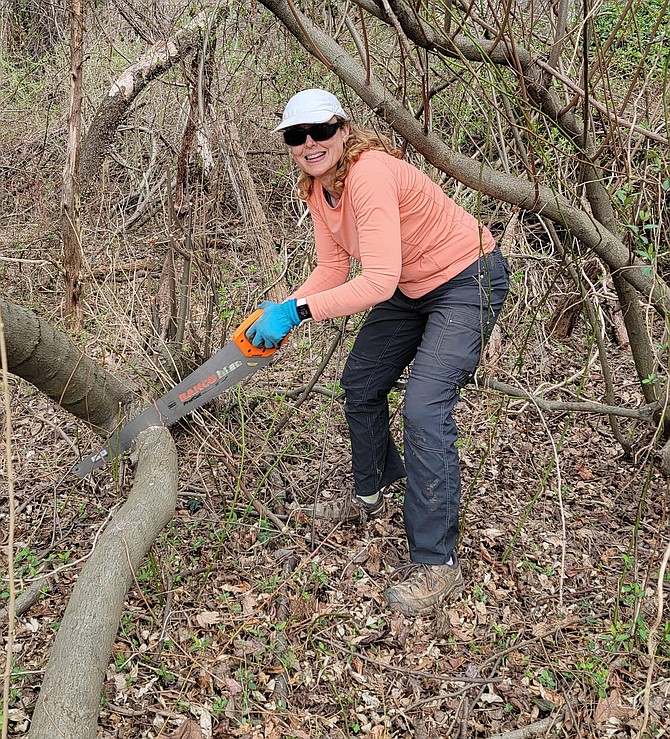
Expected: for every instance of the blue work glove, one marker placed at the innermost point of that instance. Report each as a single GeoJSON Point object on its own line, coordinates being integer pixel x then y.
{"type": "Point", "coordinates": [274, 324]}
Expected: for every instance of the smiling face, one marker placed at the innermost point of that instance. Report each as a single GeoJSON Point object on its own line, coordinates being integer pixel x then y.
{"type": "Point", "coordinates": [319, 158]}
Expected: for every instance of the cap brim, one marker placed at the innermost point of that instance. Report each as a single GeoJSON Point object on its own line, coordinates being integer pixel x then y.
{"type": "Point", "coordinates": [311, 117]}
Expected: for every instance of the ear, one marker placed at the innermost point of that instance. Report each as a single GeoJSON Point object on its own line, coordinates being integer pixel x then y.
{"type": "Point", "coordinates": [346, 131]}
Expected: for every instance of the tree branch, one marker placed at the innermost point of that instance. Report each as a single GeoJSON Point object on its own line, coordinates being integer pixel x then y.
{"type": "Point", "coordinates": [44, 356]}
{"type": "Point", "coordinates": [69, 699]}
{"type": "Point", "coordinates": [507, 188]}
{"type": "Point", "coordinates": [643, 413]}
{"type": "Point", "coordinates": [125, 89]}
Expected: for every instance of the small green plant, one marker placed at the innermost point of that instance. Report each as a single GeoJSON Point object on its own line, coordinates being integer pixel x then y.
{"type": "Point", "coordinates": [479, 594]}
{"type": "Point", "coordinates": [632, 593]}
{"type": "Point", "coordinates": [501, 633]}
{"type": "Point", "coordinates": [359, 574]}
{"type": "Point", "coordinates": [199, 644]}
{"type": "Point", "coordinates": [120, 661]}
{"type": "Point", "coordinates": [318, 574]}
{"type": "Point", "coordinates": [218, 706]}
{"type": "Point", "coordinates": [322, 647]}
{"type": "Point", "coordinates": [149, 572]}
{"type": "Point", "coordinates": [596, 674]}
{"type": "Point", "coordinates": [265, 533]}
{"type": "Point", "coordinates": [27, 562]}
{"type": "Point", "coordinates": [270, 583]}
{"type": "Point", "coordinates": [248, 679]}
{"type": "Point", "coordinates": [15, 692]}
{"type": "Point", "coordinates": [165, 675]}
{"type": "Point", "coordinates": [63, 558]}
{"type": "Point", "coordinates": [547, 678]}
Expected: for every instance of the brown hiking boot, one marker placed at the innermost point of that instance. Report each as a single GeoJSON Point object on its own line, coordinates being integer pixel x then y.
{"type": "Point", "coordinates": [347, 509]}
{"type": "Point", "coordinates": [420, 586]}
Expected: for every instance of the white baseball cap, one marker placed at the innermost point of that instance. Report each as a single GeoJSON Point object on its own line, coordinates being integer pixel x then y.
{"type": "Point", "coordinates": [311, 106]}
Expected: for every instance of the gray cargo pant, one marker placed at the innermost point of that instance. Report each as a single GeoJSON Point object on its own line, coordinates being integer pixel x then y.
{"type": "Point", "coordinates": [442, 335]}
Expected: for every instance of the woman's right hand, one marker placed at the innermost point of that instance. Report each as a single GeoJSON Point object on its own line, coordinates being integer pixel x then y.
{"type": "Point", "coordinates": [274, 324]}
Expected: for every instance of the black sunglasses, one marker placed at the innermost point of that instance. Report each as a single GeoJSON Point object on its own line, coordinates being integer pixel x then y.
{"type": "Point", "coordinates": [319, 132]}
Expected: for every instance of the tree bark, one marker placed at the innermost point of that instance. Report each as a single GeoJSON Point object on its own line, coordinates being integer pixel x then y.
{"type": "Point", "coordinates": [70, 695]}
{"type": "Point", "coordinates": [69, 699]}
{"type": "Point", "coordinates": [70, 200]}
{"type": "Point", "coordinates": [162, 56]}
{"type": "Point", "coordinates": [632, 311]}
{"type": "Point", "coordinates": [45, 357]}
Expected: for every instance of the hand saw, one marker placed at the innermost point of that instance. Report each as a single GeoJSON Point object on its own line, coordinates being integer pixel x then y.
{"type": "Point", "coordinates": [238, 359]}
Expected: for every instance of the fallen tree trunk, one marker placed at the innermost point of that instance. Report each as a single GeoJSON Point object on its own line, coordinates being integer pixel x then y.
{"type": "Point", "coordinates": [45, 357]}
{"type": "Point", "coordinates": [69, 698]}
{"type": "Point", "coordinates": [70, 694]}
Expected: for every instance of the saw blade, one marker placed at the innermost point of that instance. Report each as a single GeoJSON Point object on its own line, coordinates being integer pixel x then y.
{"type": "Point", "coordinates": [234, 362]}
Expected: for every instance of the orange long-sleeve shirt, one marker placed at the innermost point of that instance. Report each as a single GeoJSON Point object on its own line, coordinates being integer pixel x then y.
{"type": "Point", "coordinates": [402, 229]}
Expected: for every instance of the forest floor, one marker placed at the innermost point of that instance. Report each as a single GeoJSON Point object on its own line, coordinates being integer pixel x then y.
{"type": "Point", "coordinates": [267, 626]}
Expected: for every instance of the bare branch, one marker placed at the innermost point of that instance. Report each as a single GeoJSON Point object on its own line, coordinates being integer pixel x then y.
{"type": "Point", "coordinates": [49, 360]}
{"type": "Point", "coordinates": [643, 413]}
{"type": "Point", "coordinates": [162, 56]}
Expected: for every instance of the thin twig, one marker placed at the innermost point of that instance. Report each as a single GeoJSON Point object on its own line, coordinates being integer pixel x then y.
{"type": "Point", "coordinates": [25, 599]}
{"type": "Point", "coordinates": [18, 260]}
{"type": "Point", "coordinates": [402, 38]}
{"type": "Point", "coordinates": [559, 491]}
{"type": "Point", "coordinates": [312, 383]}
{"type": "Point", "coordinates": [167, 610]}
{"type": "Point", "coordinates": [314, 47]}
{"type": "Point", "coordinates": [421, 674]}
{"type": "Point", "coordinates": [283, 612]}
{"type": "Point", "coordinates": [262, 511]}
{"type": "Point", "coordinates": [185, 285]}
{"type": "Point", "coordinates": [643, 413]}
{"type": "Point", "coordinates": [11, 604]}
{"type": "Point", "coordinates": [572, 621]}
{"type": "Point", "coordinates": [74, 563]}
{"type": "Point", "coordinates": [591, 312]}
{"type": "Point", "coordinates": [613, 117]}
{"type": "Point", "coordinates": [539, 727]}
{"type": "Point", "coordinates": [652, 642]}
{"type": "Point", "coordinates": [321, 389]}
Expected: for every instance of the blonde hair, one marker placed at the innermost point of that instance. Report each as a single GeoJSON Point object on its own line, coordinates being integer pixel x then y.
{"type": "Point", "coordinates": [359, 140]}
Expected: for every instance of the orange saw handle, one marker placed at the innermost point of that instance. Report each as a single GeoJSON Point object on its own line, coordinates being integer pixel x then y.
{"type": "Point", "coordinates": [244, 345]}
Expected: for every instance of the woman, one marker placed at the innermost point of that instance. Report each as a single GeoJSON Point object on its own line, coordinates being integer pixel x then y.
{"type": "Point", "coordinates": [435, 283]}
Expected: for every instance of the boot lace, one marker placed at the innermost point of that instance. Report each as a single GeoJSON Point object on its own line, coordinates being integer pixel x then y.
{"type": "Point", "coordinates": [414, 574]}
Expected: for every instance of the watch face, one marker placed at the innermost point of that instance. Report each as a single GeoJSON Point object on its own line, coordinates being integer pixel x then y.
{"type": "Point", "coordinates": [303, 312]}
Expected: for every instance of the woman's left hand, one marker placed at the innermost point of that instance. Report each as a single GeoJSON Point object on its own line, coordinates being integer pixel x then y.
{"type": "Point", "coordinates": [274, 324]}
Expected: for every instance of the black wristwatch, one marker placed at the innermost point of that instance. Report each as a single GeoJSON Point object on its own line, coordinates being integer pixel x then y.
{"type": "Point", "coordinates": [304, 313]}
